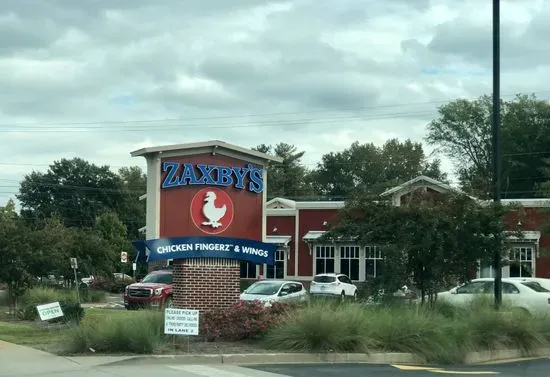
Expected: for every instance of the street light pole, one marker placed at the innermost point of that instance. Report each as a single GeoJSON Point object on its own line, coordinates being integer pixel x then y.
{"type": "Point", "coordinates": [497, 163]}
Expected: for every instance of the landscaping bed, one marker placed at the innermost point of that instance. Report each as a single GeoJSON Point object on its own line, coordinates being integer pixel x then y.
{"type": "Point", "coordinates": [436, 334]}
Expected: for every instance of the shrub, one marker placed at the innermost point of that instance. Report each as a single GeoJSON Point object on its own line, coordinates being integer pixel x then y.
{"type": "Point", "coordinates": [72, 311]}
{"type": "Point", "coordinates": [91, 295]}
{"type": "Point", "coordinates": [439, 334]}
{"type": "Point", "coordinates": [244, 320]}
{"type": "Point", "coordinates": [110, 285]}
{"type": "Point", "coordinates": [142, 333]}
{"type": "Point", "coordinates": [321, 327]}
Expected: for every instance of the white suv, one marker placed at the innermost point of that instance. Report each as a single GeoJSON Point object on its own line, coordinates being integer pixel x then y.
{"type": "Point", "coordinates": [333, 285]}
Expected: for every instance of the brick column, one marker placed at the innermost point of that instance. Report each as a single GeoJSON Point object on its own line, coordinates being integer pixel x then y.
{"type": "Point", "coordinates": [206, 284]}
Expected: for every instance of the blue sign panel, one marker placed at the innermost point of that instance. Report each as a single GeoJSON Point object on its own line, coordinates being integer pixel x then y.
{"type": "Point", "coordinates": [206, 247]}
{"type": "Point", "coordinates": [187, 174]}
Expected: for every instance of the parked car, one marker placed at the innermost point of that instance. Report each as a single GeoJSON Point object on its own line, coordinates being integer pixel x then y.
{"type": "Point", "coordinates": [270, 291]}
{"type": "Point", "coordinates": [333, 285]}
{"type": "Point", "coordinates": [528, 295]}
{"type": "Point", "coordinates": [154, 291]}
{"type": "Point", "coordinates": [545, 283]}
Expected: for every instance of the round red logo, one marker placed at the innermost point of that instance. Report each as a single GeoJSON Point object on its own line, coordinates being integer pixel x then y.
{"type": "Point", "coordinates": [212, 210]}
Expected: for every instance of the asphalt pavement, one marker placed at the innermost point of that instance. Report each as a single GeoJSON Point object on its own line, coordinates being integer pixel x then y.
{"type": "Point", "coordinates": [524, 368]}
{"type": "Point", "coordinates": [531, 368]}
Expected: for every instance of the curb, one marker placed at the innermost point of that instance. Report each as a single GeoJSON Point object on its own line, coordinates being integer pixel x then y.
{"type": "Point", "coordinates": [328, 358]}
{"type": "Point", "coordinates": [504, 355]}
{"type": "Point", "coordinates": [274, 358]}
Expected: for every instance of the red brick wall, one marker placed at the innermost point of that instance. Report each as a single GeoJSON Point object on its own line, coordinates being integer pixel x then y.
{"type": "Point", "coordinates": [311, 219]}
{"type": "Point", "coordinates": [206, 284]}
{"type": "Point", "coordinates": [286, 226]}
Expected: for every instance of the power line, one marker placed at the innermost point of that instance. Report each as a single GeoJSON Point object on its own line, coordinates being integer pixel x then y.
{"type": "Point", "coordinates": [137, 121]}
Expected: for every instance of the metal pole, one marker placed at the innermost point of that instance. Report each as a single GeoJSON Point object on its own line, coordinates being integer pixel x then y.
{"type": "Point", "coordinates": [76, 283]}
{"type": "Point", "coordinates": [497, 163]}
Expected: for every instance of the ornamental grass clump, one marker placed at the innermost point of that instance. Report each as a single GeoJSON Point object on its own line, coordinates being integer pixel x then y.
{"type": "Point", "coordinates": [436, 333]}
{"type": "Point", "coordinates": [142, 333]}
{"type": "Point", "coordinates": [321, 327]}
{"type": "Point", "coordinates": [413, 330]}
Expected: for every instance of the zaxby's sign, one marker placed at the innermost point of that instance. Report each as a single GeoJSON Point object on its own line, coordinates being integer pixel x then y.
{"type": "Point", "coordinates": [210, 207]}
{"type": "Point", "coordinates": [201, 174]}
{"type": "Point", "coordinates": [206, 247]}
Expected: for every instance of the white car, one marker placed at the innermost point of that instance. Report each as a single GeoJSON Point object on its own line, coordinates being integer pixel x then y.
{"type": "Point", "coordinates": [527, 295]}
{"type": "Point", "coordinates": [333, 285]}
{"type": "Point", "coordinates": [270, 291]}
{"type": "Point", "coordinates": [545, 283]}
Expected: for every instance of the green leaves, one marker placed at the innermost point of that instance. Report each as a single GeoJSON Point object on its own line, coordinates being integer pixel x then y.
{"type": "Point", "coordinates": [365, 169]}
{"type": "Point", "coordinates": [431, 241]}
{"type": "Point", "coordinates": [463, 132]}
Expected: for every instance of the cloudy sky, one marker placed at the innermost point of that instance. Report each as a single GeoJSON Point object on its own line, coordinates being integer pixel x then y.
{"type": "Point", "coordinates": [98, 79]}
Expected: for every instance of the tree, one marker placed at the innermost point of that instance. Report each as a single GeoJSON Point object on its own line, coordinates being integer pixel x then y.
{"type": "Point", "coordinates": [131, 210]}
{"type": "Point", "coordinates": [290, 178]}
{"type": "Point", "coordinates": [463, 132]}
{"type": "Point", "coordinates": [430, 243]}
{"type": "Point", "coordinates": [368, 169]}
{"type": "Point", "coordinates": [15, 253]}
{"type": "Point", "coordinates": [75, 190]}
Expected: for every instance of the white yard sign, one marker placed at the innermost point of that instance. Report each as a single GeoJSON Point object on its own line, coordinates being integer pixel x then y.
{"type": "Point", "coordinates": [181, 322]}
{"type": "Point", "coordinates": [49, 311]}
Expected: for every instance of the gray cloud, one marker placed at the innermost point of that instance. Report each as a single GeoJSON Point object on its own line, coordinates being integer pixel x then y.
{"type": "Point", "coordinates": [197, 67]}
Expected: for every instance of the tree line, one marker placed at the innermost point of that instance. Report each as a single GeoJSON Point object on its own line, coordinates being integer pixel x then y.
{"type": "Point", "coordinates": [77, 208]}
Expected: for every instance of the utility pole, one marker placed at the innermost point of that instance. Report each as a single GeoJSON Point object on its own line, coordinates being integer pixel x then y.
{"type": "Point", "coordinates": [497, 163]}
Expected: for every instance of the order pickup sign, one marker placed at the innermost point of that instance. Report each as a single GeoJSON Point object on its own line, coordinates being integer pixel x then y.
{"type": "Point", "coordinates": [181, 322]}
{"type": "Point", "coordinates": [49, 311]}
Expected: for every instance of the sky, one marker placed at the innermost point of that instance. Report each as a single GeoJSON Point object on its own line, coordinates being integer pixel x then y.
{"type": "Point", "coordinates": [99, 79]}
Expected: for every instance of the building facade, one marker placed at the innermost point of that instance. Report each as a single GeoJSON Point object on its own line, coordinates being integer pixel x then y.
{"type": "Point", "coordinates": [296, 227]}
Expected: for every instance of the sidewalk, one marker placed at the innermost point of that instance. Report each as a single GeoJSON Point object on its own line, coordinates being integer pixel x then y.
{"type": "Point", "coordinates": [16, 361]}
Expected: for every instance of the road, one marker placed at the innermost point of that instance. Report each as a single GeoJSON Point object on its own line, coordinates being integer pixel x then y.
{"type": "Point", "coordinates": [533, 368]}
{"type": "Point", "coordinates": [526, 368]}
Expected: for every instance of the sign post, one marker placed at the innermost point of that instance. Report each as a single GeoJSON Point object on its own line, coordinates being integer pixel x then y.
{"type": "Point", "coordinates": [123, 259]}
{"type": "Point", "coordinates": [49, 311]}
{"type": "Point", "coordinates": [181, 322]}
{"type": "Point", "coordinates": [134, 268]}
{"type": "Point", "coordinates": [74, 266]}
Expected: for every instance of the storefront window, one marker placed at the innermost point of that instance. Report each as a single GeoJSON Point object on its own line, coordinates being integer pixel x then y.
{"type": "Point", "coordinates": [324, 259]}
{"type": "Point", "coordinates": [374, 263]}
{"type": "Point", "coordinates": [278, 270]}
{"type": "Point", "coordinates": [248, 270]}
{"type": "Point", "coordinates": [349, 261]}
{"type": "Point", "coordinates": [521, 262]}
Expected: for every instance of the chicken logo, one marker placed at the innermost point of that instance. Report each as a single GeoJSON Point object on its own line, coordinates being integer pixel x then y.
{"type": "Point", "coordinates": [212, 210]}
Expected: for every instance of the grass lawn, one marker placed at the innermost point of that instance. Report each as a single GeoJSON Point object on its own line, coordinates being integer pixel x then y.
{"type": "Point", "coordinates": [33, 335]}
{"type": "Point", "coordinates": [48, 338]}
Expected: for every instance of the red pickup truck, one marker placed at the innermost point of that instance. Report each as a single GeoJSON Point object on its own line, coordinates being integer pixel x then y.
{"type": "Point", "coordinates": [153, 292]}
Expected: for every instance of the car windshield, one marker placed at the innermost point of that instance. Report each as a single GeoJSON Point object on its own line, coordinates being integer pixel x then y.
{"type": "Point", "coordinates": [158, 278]}
{"type": "Point", "coordinates": [535, 286]}
{"type": "Point", "coordinates": [264, 288]}
{"type": "Point", "coordinates": [324, 279]}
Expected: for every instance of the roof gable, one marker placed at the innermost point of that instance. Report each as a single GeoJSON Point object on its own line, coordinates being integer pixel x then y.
{"type": "Point", "coordinates": [420, 181]}
{"type": "Point", "coordinates": [281, 203]}
{"type": "Point", "coordinates": [212, 146]}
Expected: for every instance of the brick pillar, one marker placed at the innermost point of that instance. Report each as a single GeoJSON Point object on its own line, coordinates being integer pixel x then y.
{"type": "Point", "coordinates": [205, 284]}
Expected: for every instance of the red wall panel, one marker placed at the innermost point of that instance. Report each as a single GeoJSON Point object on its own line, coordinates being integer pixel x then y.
{"type": "Point", "coordinates": [532, 219]}
{"type": "Point", "coordinates": [311, 219]}
{"type": "Point", "coordinates": [175, 217]}
{"type": "Point", "coordinates": [286, 226]}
